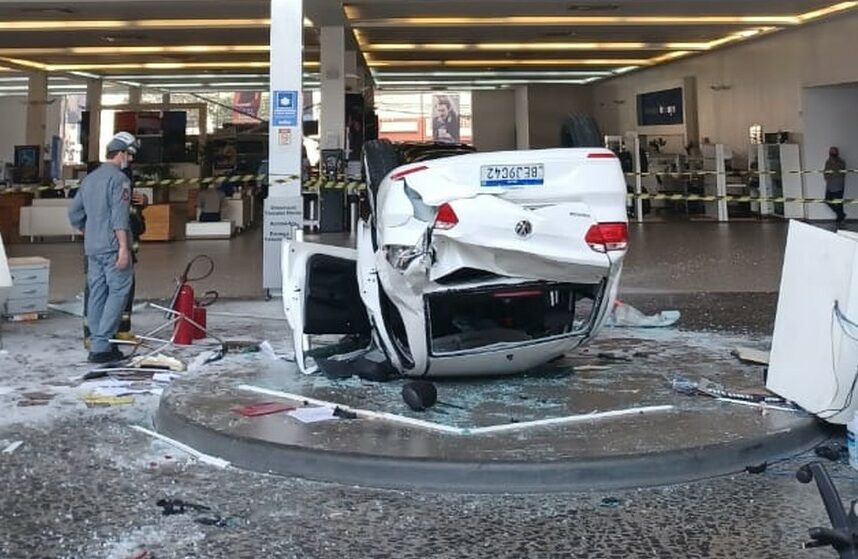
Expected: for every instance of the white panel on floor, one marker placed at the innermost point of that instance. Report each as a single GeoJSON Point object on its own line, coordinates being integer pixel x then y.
{"type": "Point", "coordinates": [5, 275]}
{"type": "Point", "coordinates": [814, 358]}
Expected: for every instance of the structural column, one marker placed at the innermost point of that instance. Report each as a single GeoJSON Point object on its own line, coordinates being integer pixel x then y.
{"type": "Point", "coordinates": [522, 118]}
{"type": "Point", "coordinates": [333, 80]}
{"type": "Point", "coordinates": [94, 89]}
{"type": "Point", "coordinates": [135, 95]}
{"type": "Point", "coordinates": [284, 207]}
{"type": "Point", "coordinates": [37, 113]}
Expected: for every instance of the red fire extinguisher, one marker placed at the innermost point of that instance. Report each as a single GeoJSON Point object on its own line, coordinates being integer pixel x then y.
{"type": "Point", "coordinates": [191, 321]}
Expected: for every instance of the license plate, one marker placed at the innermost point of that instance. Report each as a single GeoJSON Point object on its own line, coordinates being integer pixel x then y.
{"type": "Point", "coordinates": [531, 174]}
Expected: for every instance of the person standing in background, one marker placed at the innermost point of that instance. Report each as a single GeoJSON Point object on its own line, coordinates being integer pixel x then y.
{"type": "Point", "coordinates": [835, 182]}
{"type": "Point", "coordinates": [209, 203]}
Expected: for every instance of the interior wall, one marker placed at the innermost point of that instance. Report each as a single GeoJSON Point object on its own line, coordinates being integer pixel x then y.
{"type": "Point", "coordinates": [549, 105]}
{"type": "Point", "coordinates": [493, 125]}
{"type": "Point", "coordinates": [830, 115]}
{"type": "Point", "coordinates": [757, 82]}
{"type": "Point", "coordinates": [13, 115]}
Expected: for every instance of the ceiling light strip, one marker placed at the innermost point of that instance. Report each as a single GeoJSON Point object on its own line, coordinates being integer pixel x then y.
{"type": "Point", "coordinates": [166, 66]}
{"type": "Point", "coordinates": [489, 74]}
{"type": "Point", "coordinates": [822, 12]}
{"type": "Point", "coordinates": [558, 21]}
{"type": "Point", "coordinates": [399, 47]}
{"type": "Point", "coordinates": [103, 24]}
{"type": "Point", "coordinates": [451, 63]}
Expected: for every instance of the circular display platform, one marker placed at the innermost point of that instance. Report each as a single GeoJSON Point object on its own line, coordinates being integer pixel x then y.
{"type": "Point", "coordinates": [605, 417]}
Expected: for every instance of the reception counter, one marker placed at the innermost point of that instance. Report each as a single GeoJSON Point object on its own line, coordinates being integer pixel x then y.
{"type": "Point", "coordinates": [165, 222]}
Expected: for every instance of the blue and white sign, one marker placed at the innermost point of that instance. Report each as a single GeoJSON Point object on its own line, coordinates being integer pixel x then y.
{"type": "Point", "coordinates": [285, 109]}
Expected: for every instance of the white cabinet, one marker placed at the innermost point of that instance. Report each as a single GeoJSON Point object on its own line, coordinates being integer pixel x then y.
{"type": "Point", "coordinates": [30, 283]}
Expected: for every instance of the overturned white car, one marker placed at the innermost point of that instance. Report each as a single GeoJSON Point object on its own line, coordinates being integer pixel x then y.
{"type": "Point", "coordinates": [469, 263]}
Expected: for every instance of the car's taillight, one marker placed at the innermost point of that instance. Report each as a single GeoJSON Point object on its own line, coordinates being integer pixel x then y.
{"type": "Point", "coordinates": [601, 155]}
{"type": "Point", "coordinates": [446, 217]}
{"type": "Point", "coordinates": [605, 237]}
{"type": "Point", "coordinates": [405, 172]}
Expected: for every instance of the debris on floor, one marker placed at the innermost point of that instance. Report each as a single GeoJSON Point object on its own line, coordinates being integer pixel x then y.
{"type": "Point", "coordinates": [750, 355]}
{"type": "Point", "coordinates": [242, 346]}
{"type": "Point", "coordinates": [206, 515]}
{"type": "Point", "coordinates": [171, 507]}
{"type": "Point", "coordinates": [313, 414]}
{"type": "Point", "coordinates": [268, 350]}
{"type": "Point", "coordinates": [622, 355]}
{"type": "Point", "coordinates": [35, 399]}
{"type": "Point", "coordinates": [755, 397]}
{"type": "Point", "coordinates": [157, 361]}
{"type": "Point", "coordinates": [758, 469]}
{"type": "Point", "coordinates": [202, 457]}
{"type": "Point", "coordinates": [262, 408]}
{"type": "Point", "coordinates": [610, 503]}
{"type": "Point", "coordinates": [12, 447]}
{"type": "Point", "coordinates": [141, 553]}
{"type": "Point", "coordinates": [625, 315]}
{"type": "Point", "coordinates": [585, 368]}
{"type": "Point", "coordinates": [834, 451]}
{"type": "Point", "coordinates": [94, 400]}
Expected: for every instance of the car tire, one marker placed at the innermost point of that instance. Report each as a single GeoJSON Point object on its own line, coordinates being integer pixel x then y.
{"type": "Point", "coordinates": [379, 158]}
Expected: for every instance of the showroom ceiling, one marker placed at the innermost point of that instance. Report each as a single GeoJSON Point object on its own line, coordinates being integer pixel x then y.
{"type": "Point", "coordinates": [406, 43]}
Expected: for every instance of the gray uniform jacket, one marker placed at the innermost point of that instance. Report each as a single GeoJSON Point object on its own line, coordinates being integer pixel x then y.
{"type": "Point", "coordinates": [101, 206]}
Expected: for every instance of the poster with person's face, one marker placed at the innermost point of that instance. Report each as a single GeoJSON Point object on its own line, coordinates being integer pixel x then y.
{"type": "Point", "coordinates": [245, 106]}
{"type": "Point", "coordinates": [445, 118]}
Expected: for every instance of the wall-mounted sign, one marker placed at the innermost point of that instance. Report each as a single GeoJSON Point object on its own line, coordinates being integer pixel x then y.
{"type": "Point", "coordinates": [660, 107]}
{"type": "Point", "coordinates": [285, 109]}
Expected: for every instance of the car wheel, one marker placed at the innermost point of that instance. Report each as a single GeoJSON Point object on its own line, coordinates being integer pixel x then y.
{"type": "Point", "coordinates": [379, 159]}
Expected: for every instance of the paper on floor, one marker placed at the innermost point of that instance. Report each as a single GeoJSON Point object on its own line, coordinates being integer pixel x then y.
{"type": "Point", "coordinates": [313, 414]}
{"type": "Point", "coordinates": [12, 447]}
{"type": "Point", "coordinates": [627, 315]}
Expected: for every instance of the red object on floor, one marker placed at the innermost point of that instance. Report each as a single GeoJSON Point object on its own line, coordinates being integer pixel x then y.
{"type": "Point", "coordinates": [183, 332]}
{"type": "Point", "coordinates": [200, 318]}
{"type": "Point", "coordinates": [262, 408]}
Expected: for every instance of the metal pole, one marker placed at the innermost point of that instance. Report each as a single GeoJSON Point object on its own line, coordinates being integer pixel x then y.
{"type": "Point", "coordinates": [638, 181]}
{"type": "Point", "coordinates": [721, 182]}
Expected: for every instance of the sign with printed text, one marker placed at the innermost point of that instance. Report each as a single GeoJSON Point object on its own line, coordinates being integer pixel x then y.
{"type": "Point", "coordinates": [284, 136]}
{"type": "Point", "coordinates": [285, 109]}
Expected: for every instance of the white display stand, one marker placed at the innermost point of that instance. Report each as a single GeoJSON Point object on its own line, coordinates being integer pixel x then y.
{"type": "Point", "coordinates": [47, 217]}
{"type": "Point", "coordinates": [715, 182]}
{"type": "Point", "coordinates": [209, 230]}
{"type": "Point", "coordinates": [780, 175]}
{"type": "Point", "coordinates": [814, 358]}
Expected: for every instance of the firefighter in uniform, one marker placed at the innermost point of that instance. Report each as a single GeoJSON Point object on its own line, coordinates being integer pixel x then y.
{"type": "Point", "coordinates": [137, 228]}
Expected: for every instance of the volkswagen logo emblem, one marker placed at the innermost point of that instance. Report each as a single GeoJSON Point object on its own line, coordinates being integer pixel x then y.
{"type": "Point", "coordinates": [523, 228]}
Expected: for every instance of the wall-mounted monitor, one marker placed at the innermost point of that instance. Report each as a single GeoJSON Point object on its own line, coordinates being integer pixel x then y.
{"type": "Point", "coordinates": [659, 108]}
{"type": "Point", "coordinates": [27, 164]}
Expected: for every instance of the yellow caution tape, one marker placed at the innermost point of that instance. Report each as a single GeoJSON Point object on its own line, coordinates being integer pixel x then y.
{"type": "Point", "coordinates": [730, 198]}
{"type": "Point", "coordinates": [702, 173]}
{"type": "Point", "coordinates": [310, 184]}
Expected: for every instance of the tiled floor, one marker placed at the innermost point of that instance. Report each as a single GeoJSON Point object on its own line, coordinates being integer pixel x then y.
{"type": "Point", "coordinates": [664, 257]}
{"type": "Point", "coordinates": [84, 485]}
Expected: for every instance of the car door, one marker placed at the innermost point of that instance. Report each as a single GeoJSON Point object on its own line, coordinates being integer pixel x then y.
{"type": "Point", "coordinates": [321, 295]}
